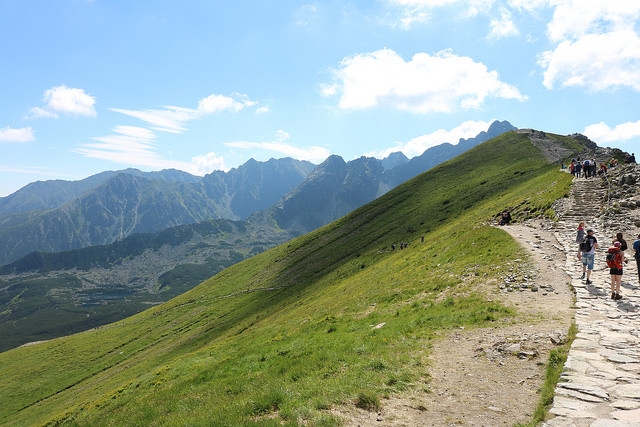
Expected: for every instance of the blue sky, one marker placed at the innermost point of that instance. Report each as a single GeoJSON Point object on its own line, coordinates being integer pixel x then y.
{"type": "Point", "coordinates": [94, 85]}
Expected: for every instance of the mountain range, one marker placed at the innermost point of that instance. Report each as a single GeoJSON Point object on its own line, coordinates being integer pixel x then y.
{"type": "Point", "coordinates": [61, 215]}
{"type": "Point", "coordinates": [115, 243]}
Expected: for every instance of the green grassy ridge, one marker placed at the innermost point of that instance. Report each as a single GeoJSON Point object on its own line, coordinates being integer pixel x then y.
{"type": "Point", "coordinates": [287, 334]}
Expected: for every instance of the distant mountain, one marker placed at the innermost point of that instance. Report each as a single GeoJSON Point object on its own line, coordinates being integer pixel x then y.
{"type": "Point", "coordinates": [443, 152]}
{"type": "Point", "coordinates": [394, 159]}
{"type": "Point", "coordinates": [111, 206]}
{"type": "Point", "coordinates": [43, 195]}
{"type": "Point", "coordinates": [332, 190]}
{"type": "Point", "coordinates": [254, 186]}
{"type": "Point", "coordinates": [336, 187]}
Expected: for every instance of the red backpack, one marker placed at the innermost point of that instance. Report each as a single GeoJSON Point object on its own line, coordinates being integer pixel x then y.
{"type": "Point", "coordinates": [614, 258]}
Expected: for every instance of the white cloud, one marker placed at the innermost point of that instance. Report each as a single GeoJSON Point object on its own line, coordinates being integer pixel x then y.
{"type": "Point", "coordinates": [172, 119]}
{"type": "Point", "coordinates": [416, 146]}
{"type": "Point", "coordinates": [425, 84]}
{"type": "Point", "coordinates": [136, 146]}
{"type": "Point", "coordinates": [207, 163]}
{"type": "Point", "coordinates": [218, 103]}
{"type": "Point", "coordinates": [602, 133]}
{"type": "Point", "coordinates": [597, 45]}
{"type": "Point", "coordinates": [312, 154]}
{"type": "Point", "coordinates": [8, 134]}
{"type": "Point", "coordinates": [502, 27]}
{"type": "Point", "coordinates": [65, 100]}
{"type": "Point", "coordinates": [282, 135]}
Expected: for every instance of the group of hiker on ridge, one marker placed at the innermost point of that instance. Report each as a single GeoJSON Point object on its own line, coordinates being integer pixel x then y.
{"type": "Point", "coordinates": [588, 168]}
{"type": "Point", "coordinates": [587, 245]}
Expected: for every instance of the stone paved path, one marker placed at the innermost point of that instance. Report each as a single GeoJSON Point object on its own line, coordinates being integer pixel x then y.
{"type": "Point", "coordinates": [600, 384]}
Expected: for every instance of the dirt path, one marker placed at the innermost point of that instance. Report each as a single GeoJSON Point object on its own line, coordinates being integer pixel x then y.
{"type": "Point", "coordinates": [490, 377]}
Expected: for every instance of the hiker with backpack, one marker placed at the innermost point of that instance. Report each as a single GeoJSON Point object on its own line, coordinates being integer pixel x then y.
{"type": "Point", "coordinates": [615, 259]}
{"type": "Point", "coordinates": [587, 253]}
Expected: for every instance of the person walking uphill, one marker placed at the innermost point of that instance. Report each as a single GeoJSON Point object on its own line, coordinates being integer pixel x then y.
{"type": "Point", "coordinates": [587, 254]}
{"type": "Point", "coordinates": [615, 258]}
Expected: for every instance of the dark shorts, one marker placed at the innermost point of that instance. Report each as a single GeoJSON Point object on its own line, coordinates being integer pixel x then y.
{"type": "Point", "coordinates": [615, 272]}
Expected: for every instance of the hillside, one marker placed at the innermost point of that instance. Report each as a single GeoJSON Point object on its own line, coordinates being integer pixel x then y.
{"type": "Point", "coordinates": [332, 319]}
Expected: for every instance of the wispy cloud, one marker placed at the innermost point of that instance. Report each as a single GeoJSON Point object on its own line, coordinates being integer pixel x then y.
{"type": "Point", "coordinates": [279, 146]}
{"type": "Point", "coordinates": [137, 146]}
{"type": "Point", "coordinates": [415, 12]}
{"type": "Point", "coordinates": [128, 145]}
{"type": "Point", "coordinates": [416, 146]}
{"type": "Point", "coordinates": [440, 83]}
{"type": "Point", "coordinates": [64, 100]}
{"type": "Point", "coordinates": [173, 119]}
{"type": "Point", "coordinates": [8, 134]}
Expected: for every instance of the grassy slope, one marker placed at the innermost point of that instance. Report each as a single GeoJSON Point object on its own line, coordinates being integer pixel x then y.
{"type": "Point", "coordinates": [287, 334]}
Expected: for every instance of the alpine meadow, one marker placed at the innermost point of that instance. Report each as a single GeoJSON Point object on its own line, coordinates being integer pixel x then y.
{"type": "Point", "coordinates": [331, 318]}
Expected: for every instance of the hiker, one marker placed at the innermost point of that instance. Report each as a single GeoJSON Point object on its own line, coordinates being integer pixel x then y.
{"type": "Point", "coordinates": [587, 254]}
{"type": "Point", "coordinates": [578, 169]}
{"type": "Point", "coordinates": [505, 218]}
{"type": "Point", "coordinates": [615, 266]}
{"type": "Point", "coordinates": [603, 169]}
{"type": "Point", "coordinates": [572, 168]}
{"type": "Point", "coordinates": [636, 254]}
{"type": "Point", "coordinates": [586, 168]}
{"type": "Point", "coordinates": [580, 235]}
{"type": "Point", "coordinates": [623, 243]}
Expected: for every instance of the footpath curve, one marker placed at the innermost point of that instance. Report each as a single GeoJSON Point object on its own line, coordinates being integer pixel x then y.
{"type": "Point", "coordinates": [600, 383]}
